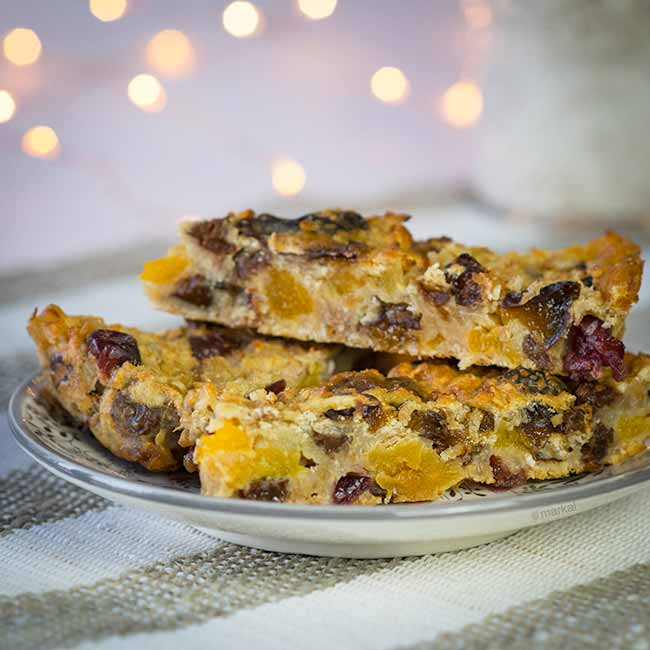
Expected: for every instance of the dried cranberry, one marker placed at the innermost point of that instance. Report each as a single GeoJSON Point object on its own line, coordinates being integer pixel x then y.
{"type": "Point", "coordinates": [265, 489]}
{"type": "Point", "coordinates": [112, 348]}
{"type": "Point", "coordinates": [276, 387]}
{"type": "Point", "coordinates": [351, 486]}
{"type": "Point", "coordinates": [194, 290]}
{"type": "Point", "coordinates": [590, 347]}
{"type": "Point", "coordinates": [211, 236]}
{"type": "Point", "coordinates": [503, 476]}
{"type": "Point", "coordinates": [330, 443]}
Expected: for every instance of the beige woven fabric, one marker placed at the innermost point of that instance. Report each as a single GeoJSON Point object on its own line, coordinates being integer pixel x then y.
{"type": "Point", "coordinates": [78, 571]}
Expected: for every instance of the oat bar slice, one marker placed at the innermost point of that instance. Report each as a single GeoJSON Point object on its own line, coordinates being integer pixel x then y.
{"type": "Point", "coordinates": [128, 386]}
{"type": "Point", "coordinates": [333, 276]}
{"type": "Point", "coordinates": [366, 438]}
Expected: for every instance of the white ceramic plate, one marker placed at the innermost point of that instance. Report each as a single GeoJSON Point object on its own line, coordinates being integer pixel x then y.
{"type": "Point", "coordinates": [464, 517]}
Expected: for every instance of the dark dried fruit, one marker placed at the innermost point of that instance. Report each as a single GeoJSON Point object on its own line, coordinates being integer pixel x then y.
{"type": "Point", "coordinates": [465, 289]}
{"type": "Point", "coordinates": [595, 394]}
{"type": "Point", "coordinates": [306, 462]}
{"type": "Point", "coordinates": [536, 352]}
{"type": "Point", "coordinates": [438, 297]}
{"type": "Point", "coordinates": [351, 486]}
{"type": "Point", "coordinates": [395, 320]}
{"type": "Point", "coordinates": [432, 425]}
{"type": "Point", "coordinates": [575, 419]}
{"type": "Point", "coordinates": [194, 290]}
{"type": "Point", "coordinates": [264, 225]}
{"type": "Point", "coordinates": [59, 370]}
{"type": "Point", "coordinates": [596, 448]}
{"type": "Point", "coordinates": [334, 221]}
{"type": "Point", "coordinates": [405, 383]}
{"type": "Point", "coordinates": [537, 423]}
{"type": "Point", "coordinates": [330, 443]}
{"type": "Point", "coordinates": [265, 489]}
{"type": "Point", "coordinates": [276, 387]}
{"type": "Point", "coordinates": [512, 298]}
{"type": "Point", "coordinates": [591, 346]}
{"type": "Point", "coordinates": [133, 418]}
{"type": "Point", "coordinates": [335, 251]}
{"type": "Point", "coordinates": [487, 423]}
{"type": "Point", "coordinates": [218, 341]}
{"type": "Point", "coordinates": [503, 476]}
{"type": "Point", "coordinates": [211, 235]}
{"type": "Point", "coordinates": [534, 381]}
{"type": "Point", "coordinates": [373, 414]}
{"type": "Point", "coordinates": [548, 314]}
{"type": "Point", "coordinates": [338, 415]}
{"type": "Point", "coordinates": [111, 349]}
{"type": "Point", "coordinates": [248, 263]}
{"type": "Point", "coordinates": [588, 281]}
{"type": "Point", "coordinates": [355, 382]}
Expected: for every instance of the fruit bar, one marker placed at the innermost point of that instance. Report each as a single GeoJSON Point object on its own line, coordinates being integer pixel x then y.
{"type": "Point", "coordinates": [366, 438]}
{"type": "Point", "coordinates": [334, 276]}
{"type": "Point", "coordinates": [128, 386]}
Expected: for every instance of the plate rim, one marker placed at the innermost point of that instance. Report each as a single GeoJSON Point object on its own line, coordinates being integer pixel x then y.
{"type": "Point", "coordinates": [173, 497]}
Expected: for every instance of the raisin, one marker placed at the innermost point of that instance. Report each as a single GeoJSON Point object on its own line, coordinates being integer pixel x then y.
{"type": "Point", "coordinates": [487, 423]}
{"type": "Point", "coordinates": [595, 394]}
{"type": "Point", "coordinates": [575, 419]}
{"type": "Point", "coordinates": [588, 281]}
{"type": "Point", "coordinates": [537, 424]}
{"type": "Point", "coordinates": [59, 370]}
{"type": "Point", "coordinates": [438, 297]}
{"type": "Point", "coordinates": [405, 383]}
{"type": "Point", "coordinates": [330, 443]}
{"type": "Point", "coordinates": [194, 290]}
{"type": "Point", "coordinates": [219, 341]}
{"type": "Point", "coordinates": [211, 236]}
{"type": "Point", "coordinates": [596, 448]}
{"type": "Point", "coordinates": [111, 349]}
{"type": "Point", "coordinates": [534, 381]}
{"type": "Point", "coordinates": [394, 320]}
{"type": "Point", "coordinates": [355, 382]}
{"type": "Point", "coordinates": [590, 347]}
{"type": "Point", "coordinates": [339, 415]}
{"type": "Point", "coordinates": [265, 489]}
{"type": "Point", "coordinates": [536, 352]}
{"type": "Point", "coordinates": [432, 425]}
{"type": "Point", "coordinates": [262, 226]}
{"type": "Point", "coordinates": [276, 387]}
{"type": "Point", "coordinates": [336, 251]}
{"type": "Point", "coordinates": [503, 476]}
{"type": "Point", "coordinates": [351, 486]}
{"type": "Point", "coordinates": [466, 291]}
{"type": "Point", "coordinates": [512, 298]}
{"type": "Point", "coordinates": [334, 221]}
{"type": "Point", "coordinates": [248, 263]}
{"type": "Point", "coordinates": [306, 462]}
{"type": "Point", "coordinates": [134, 418]}
{"type": "Point", "coordinates": [548, 313]}
{"type": "Point", "coordinates": [373, 414]}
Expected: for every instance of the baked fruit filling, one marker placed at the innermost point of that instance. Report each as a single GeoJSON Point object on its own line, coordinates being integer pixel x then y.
{"type": "Point", "coordinates": [366, 438]}
{"type": "Point", "coordinates": [334, 276]}
{"type": "Point", "coordinates": [128, 386]}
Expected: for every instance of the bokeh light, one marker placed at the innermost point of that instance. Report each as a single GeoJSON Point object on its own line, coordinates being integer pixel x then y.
{"type": "Point", "coordinates": [147, 93]}
{"type": "Point", "coordinates": [22, 46]}
{"type": "Point", "coordinates": [107, 10]}
{"type": "Point", "coordinates": [41, 142]}
{"type": "Point", "coordinates": [7, 106]}
{"type": "Point", "coordinates": [478, 14]}
{"type": "Point", "coordinates": [241, 19]}
{"type": "Point", "coordinates": [317, 9]}
{"type": "Point", "coordinates": [171, 53]}
{"type": "Point", "coordinates": [462, 104]}
{"type": "Point", "coordinates": [389, 85]}
{"type": "Point", "coordinates": [288, 177]}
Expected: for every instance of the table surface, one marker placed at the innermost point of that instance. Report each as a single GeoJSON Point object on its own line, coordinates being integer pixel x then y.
{"type": "Point", "coordinates": [78, 571]}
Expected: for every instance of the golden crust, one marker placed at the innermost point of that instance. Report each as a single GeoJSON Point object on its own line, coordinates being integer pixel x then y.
{"type": "Point", "coordinates": [133, 407]}
{"type": "Point", "coordinates": [336, 277]}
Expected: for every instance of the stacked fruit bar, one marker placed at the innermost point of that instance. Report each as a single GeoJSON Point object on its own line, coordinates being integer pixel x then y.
{"type": "Point", "coordinates": [333, 359]}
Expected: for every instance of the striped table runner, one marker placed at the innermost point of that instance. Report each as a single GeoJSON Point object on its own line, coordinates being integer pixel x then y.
{"type": "Point", "coordinates": [78, 571]}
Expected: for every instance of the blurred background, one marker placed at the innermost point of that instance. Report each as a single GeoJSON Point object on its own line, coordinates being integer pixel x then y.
{"type": "Point", "coordinates": [506, 123]}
